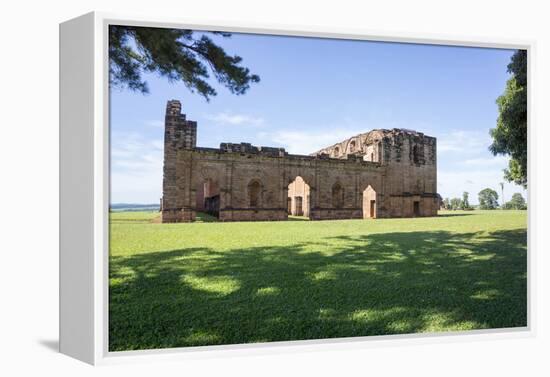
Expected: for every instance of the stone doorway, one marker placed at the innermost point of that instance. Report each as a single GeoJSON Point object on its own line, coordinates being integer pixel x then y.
{"type": "Point", "coordinates": [369, 203]}
{"type": "Point", "coordinates": [299, 198]}
{"type": "Point", "coordinates": [208, 198]}
{"type": "Point", "coordinates": [416, 208]}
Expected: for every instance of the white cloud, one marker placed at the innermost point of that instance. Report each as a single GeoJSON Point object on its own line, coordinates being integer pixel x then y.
{"type": "Point", "coordinates": [454, 183]}
{"type": "Point", "coordinates": [236, 119]}
{"type": "Point", "coordinates": [466, 164]}
{"type": "Point", "coordinates": [136, 169]}
{"type": "Point", "coordinates": [306, 142]}
{"type": "Point", "coordinates": [468, 142]}
{"type": "Point", "coordinates": [492, 161]}
{"type": "Point", "coordinates": [136, 162]}
{"type": "Point", "coordinates": [155, 123]}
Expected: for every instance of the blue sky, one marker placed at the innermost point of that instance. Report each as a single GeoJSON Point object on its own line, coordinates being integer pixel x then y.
{"type": "Point", "coordinates": [315, 92]}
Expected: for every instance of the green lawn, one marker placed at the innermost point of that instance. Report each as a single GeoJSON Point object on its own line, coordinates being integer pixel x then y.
{"type": "Point", "coordinates": [174, 285]}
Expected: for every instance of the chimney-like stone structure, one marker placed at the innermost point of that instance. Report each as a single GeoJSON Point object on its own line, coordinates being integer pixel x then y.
{"type": "Point", "coordinates": [180, 134]}
{"type": "Point", "coordinates": [178, 130]}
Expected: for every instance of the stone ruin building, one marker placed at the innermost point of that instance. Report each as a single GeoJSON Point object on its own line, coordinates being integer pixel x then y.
{"type": "Point", "coordinates": [377, 174]}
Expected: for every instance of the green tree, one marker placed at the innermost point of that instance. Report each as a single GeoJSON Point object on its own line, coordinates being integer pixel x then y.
{"type": "Point", "coordinates": [446, 203]}
{"type": "Point", "coordinates": [488, 199]}
{"type": "Point", "coordinates": [178, 55]}
{"type": "Point", "coordinates": [456, 203]}
{"type": "Point", "coordinates": [465, 204]}
{"type": "Point", "coordinates": [510, 134]}
{"type": "Point", "coordinates": [517, 202]}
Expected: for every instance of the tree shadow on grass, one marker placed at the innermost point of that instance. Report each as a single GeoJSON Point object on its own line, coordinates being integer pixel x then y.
{"type": "Point", "coordinates": [453, 214]}
{"type": "Point", "coordinates": [390, 283]}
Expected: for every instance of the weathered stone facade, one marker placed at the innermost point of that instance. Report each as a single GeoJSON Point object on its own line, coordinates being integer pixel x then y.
{"type": "Point", "coordinates": [381, 173]}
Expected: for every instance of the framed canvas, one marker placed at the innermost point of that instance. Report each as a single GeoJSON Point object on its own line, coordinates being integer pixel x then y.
{"type": "Point", "coordinates": [251, 188]}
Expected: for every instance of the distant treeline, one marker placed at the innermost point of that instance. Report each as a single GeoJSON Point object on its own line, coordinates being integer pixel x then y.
{"type": "Point", "coordinates": [133, 207]}
{"type": "Point", "coordinates": [488, 199]}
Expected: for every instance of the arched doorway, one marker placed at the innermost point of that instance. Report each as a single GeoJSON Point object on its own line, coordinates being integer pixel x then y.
{"type": "Point", "coordinates": [369, 203]}
{"type": "Point", "coordinates": [299, 198]}
{"type": "Point", "coordinates": [208, 197]}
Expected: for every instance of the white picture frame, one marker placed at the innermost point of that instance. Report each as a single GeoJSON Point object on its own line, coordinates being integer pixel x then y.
{"type": "Point", "coordinates": [84, 189]}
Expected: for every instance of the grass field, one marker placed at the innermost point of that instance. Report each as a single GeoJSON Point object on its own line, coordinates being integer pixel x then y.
{"type": "Point", "coordinates": [174, 285]}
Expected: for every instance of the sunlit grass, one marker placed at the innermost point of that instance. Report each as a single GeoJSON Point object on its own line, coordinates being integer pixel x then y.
{"type": "Point", "coordinates": [222, 283]}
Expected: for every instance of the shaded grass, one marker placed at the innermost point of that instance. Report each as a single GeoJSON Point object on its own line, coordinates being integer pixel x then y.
{"type": "Point", "coordinates": [222, 283]}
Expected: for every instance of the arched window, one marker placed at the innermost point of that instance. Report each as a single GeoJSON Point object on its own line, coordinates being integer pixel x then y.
{"type": "Point", "coordinates": [336, 152]}
{"type": "Point", "coordinates": [254, 193]}
{"type": "Point", "coordinates": [352, 146]}
{"type": "Point", "coordinates": [337, 196]}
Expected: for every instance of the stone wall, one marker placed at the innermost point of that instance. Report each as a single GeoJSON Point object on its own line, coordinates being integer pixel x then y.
{"type": "Point", "coordinates": [410, 158]}
{"type": "Point", "coordinates": [242, 182]}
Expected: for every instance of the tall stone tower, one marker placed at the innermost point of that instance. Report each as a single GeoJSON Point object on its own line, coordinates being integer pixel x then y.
{"type": "Point", "coordinates": [180, 134]}
{"type": "Point", "coordinates": [177, 129]}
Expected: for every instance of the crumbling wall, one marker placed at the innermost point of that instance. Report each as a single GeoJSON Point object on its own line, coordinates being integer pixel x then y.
{"type": "Point", "coordinates": [398, 166]}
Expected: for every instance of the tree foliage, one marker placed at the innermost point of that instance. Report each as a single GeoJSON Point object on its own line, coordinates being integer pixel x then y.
{"type": "Point", "coordinates": [465, 204]}
{"type": "Point", "coordinates": [488, 199]}
{"type": "Point", "coordinates": [517, 202]}
{"type": "Point", "coordinates": [178, 55]}
{"type": "Point", "coordinates": [456, 203]}
{"type": "Point", "coordinates": [510, 134]}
